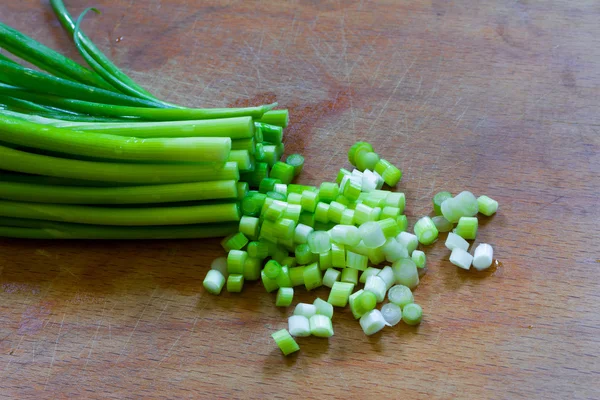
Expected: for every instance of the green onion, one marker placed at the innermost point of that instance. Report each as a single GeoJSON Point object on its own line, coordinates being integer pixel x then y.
{"type": "Point", "coordinates": [325, 260]}
{"type": "Point", "coordinates": [387, 275]}
{"type": "Point", "coordinates": [312, 276]}
{"type": "Point", "coordinates": [214, 281]}
{"type": "Point", "coordinates": [347, 217]}
{"type": "Point", "coordinates": [285, 342]}
{"type": "Point", "coordinates": [336, 212]}
{"type": "Point", "coordinates": [345, 235]}
{"type": "Point", "coordinates": [294, 198]}
{"type": "Point", "coordinates": [372, 234]}
{"type": "Point", "coordinates": [296, 275]}
{"type": "Point", "coordinates": [389, 227]}
{"type": "Point", "coordinates": [303, 254]}
{"type": "Point", "coordinates": [402, 222]}
{"type": "Point", "coordinates": [323, 308]}
{"type": "Point", "coordinates": [267, 184]}
{"type": "Point", "coordinates": [412, 314]}
{"type": "Point", "coordinates": [442, 224]}
{"type": "Point", "coordinates": [356, 149]}
{"type": "Point", "coordinates": [377, 286]}
{"type": "Point", "coordinates": [321, 212]}
{"type": "Point", "coordinates": [285, 295]}
{"type": "Point", "coordinates": [400, 295]}
{"type": "Point", "coordinates": [351, 190]}
{"type": "Point", "coordinates": [454, 241]}
{"type": "Point", "coordinates": [340, 291]}
{"type": "Point", "coordinates": [235, 241]}
{"type": "Point", "coordinates": [330, 277]}
{"type": "Point", "coordinates": [463, 205]}
{"type": "Point", "coordinates": [275, 117]}
{"type": "Point", "coordinates": [252, 268]}
{"type": "Point", "coordinates": [235, 261]}
{"type": "Point", "coordinates": [328, 191]}
{"type": "Point", "coordinates": [388, 212]}
{"type": "Point", "coordinates": [370, 271]}
{"type": "Point", "coordinates": [271, 133]}
{"type": "Point", "coordinates": [318, 242]}
{"type": "Point", "coordinates": [281, 188]}
{"type": "Point", "coordinates": [372, 322]}
{"type": "Point", "coordinates": [426, 231]}
{"type": "Point", "coordinates": [419, 258]}
{"type": "Point", "coordinates": [393, 250]}
{"type": "Point", "coordinates": [282, 171]}
{"type": "Point", "coordinates": [467, 227]}
{"type": "Point", "coordinates": [290, 262]}
{"type": "Point", "coordinates": [341, 174]}
{"type": "Point", "coordinates": [235, 283]}
{"type": "Point", "coordinates": [272, 269]}
{"type": "Point", "coordinates": [296, 161]}
{"type": "Point", "coordinates": [249, 227]}
{"type": "Point", "coordinates": [366, 160]}
{"type": "Point", "coordinates": [356, 261]}
{"type": "Point", "coordinates": [438, 199]}
{"type": "Point", "coordinates": [392, 314]}
{"type": "Point", "coordinates": [487, 205]}
{"type": "Point", "coordinates": [220, 264]}
{"type": "Point", "coordinates": [305, 309]}
{"type": "Point", "coordinates": [301, 233]}
{"type": "Point", "coordinates": [309, 200]}
{"type": "Point", "coordinates": [461, 258]}
{"type": "Point", "coordinates": [350, 275]}
{"type": "Point", "coordinates": [376, 256]}
{"type": "Point", "coordinates": [284, 228]}
{"type": "Point", "coordinates": [320, 326]}
{"type": "Point", "coordinates": [259, 250]}
{"type": "Point", "coordinates": [299, 326]}
{"type": "Point", "coordinates": [361, 302]}
{"type": "Point", "coordinates": [252, 204]}
{"type": "Point", "coordinates": [483, 257]}
{"type": "Point", "coordinates": [338, 255]}
{"type": "Point", "coordinates": [269, 284]}
{"type": "Point", "coordinates": [405, 271]}
{"type": "Point", "coordinates": [408, 240]}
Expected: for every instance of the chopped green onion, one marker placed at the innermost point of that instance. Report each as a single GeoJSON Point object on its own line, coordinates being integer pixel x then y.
{"type": "Point", "coordinates": [331, 276]}
{"type": "Point", "coordinates": [425, 230]}
{"type": "Point", "coordinates": [299, 189]}
{"type": "Point", "coordinates": [283, 172]}
{"type": "Point", "coordinates": [269, 284]}
{"type": "Point", "coordinates": [419, 258]}
{"type": "Point", "coordinates": [461, 258]}
{"type": "Point", "coordinates": [235, 282]}
{"type": "Point", "coordinates": [253, 204]}
{"type": "Point", "coordinates": [283, 279]}
{"type": "Point", "coordinates": [377, 286]}
{"type": "Point", "coordinates": [299, 326]}
{"type": "Point", "coordinates": [307, 218]}
{"type": "Point", "coordinates": [438, 199]}
{"type": "Point", "coordinates": [267, 184]}
{"type": "Point", "coordinates": [442, 224]}
{"type": "Point", "coordinates": [361, 302]}
{"type": "Point", "coordinates": [321, 212]}
{"type": "Point", "coordinates": [391, 313]}
{"type": "Point", "coordinates": [320, 326]}
{"type": "Point", "coordinates": [356, 149]}
{"type": "Point", "coordinates": [405, 271]}
{"type": "Point", "coordinates": [347, 217]}
{"type": "Point", "coordinates": [366, 160]}
{"type": "Point", "coordinates": [340, 291]}
{"type": "Point", "coordinates": [487, 205]}
{"type": "Point", "coordinates": [319, 242]}
{"type": "Point", "coordinates": [356, 261]}
{"type": "Point", "coordinates": [376, 255]}
{"type": "Point", "coordinates": [242, 189]}
{"type": "Point", "coordinates": [309, 200]}
{"type": "Point", "coordinates": [393, 250]}
{"type": "Point", "coordinates": [467, 227]}
{"type": "Point", "coordinates": [275, 117]}
{"type": "Point", "coordinates": [400, 295]}
{"type": "Point", "coordinates": [285, 342]}
{"type": "Point", "coordinates": [412, 314]}
{"type": "Point", "coordinates": [279, 254]}
{"type": "Point", "coordinates": [323, 308]}
{"type": "Point", "coordinates": [252, 268]}
{"type": "Point", "coordinates": [382, 165]}
{"type": "Point", "coordinates": [301, 233]}
{"type": "Point", "coordinates": [249, 227]}
{"type": "Point", "coordinates": [325, 260]}
{"type": "Point", "coordinates": [272, 269]}
{"type": "Point", "coordinates": [281, 188]}
{"type": "Point", "coordinates": [350, 275]}
{"type": "Point", "coordinates": [296, 161]}
{"type": "Point", "coordinates": [235, 261]}
{"type": "Point", "coordinates": [305, 309]}
{"type": "Point", "coordinates": [284, 229]}
{"type": "Point", "coordinates": [258, 250]}
{"type": "Point", "coordinates": [294, 198]}
{"type": "Point", "coordinates": [296, 275]}
{"type": "Point", "coordinates": [390, 212]}
{"type": "Point", "coordinates": [235, 241]}
{"type": "Point", "coordinates": [303, 254]}
{"type": "Point", "coordinates": [408, 240]}
{"type": "Point", "coordinates": [336, 211]}
{"type": "Point", "coordinates": [275, 210]}
{"type": "Point", "coordinates": [372, 322]}
{"type": "Point", "coordinates": [463, 205]}
{"type": "Point", "coordinates": [370, 271]}
{"type": "Point", "coordinates": [454, 241]}
{"type": "Point", "coordinates": [351, 189]}
{"type": "Point", "coordinates": [482, 259]}
{"type": "Point", "coordinates": [312, 276]}
{"type": "Point", "coordinates": [396, 199]}
{"type": "Point", "coordinates": [220, 264]}
{"type": "Point", "coordinates": [293, 211]}
{"type": "Point", "coordinates": [338, 255]}
{"type": "Point", "coordinates": [271, 133]}
{"type": "Point", "coordinates": [345, 235]}
{"type": "Point", "coordinates": [360, 248]}
{"type": "Point", "coordinates": [391, 175]}
{"type": "Point", "coordinates": [371, 234]}
{"type": "Point", "coordinates": [387, 275]}
{"type": "Point", "coordinates": [214, 281]}
{"type": "Point", "coordinates": [402, 222]}
{"type": "Point", "coordinates": [328, 191]}
{"type": "Point", "coordinates": [284, 298]}
{"type": "Point", "coordinates": [362, 213]}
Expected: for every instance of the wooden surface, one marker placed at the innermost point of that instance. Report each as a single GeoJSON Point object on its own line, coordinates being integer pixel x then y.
{"type": "Point", "coordinates": [497, 97]}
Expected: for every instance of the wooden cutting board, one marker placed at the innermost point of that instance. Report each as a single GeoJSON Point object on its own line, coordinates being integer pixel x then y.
{"type": "Point", "coordinates": [497, 97]}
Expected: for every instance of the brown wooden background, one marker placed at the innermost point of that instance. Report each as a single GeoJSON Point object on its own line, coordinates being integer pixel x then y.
{"type": "Point", "coordinates": [498, 97]}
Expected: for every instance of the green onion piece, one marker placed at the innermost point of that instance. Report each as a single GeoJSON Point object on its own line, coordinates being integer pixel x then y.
{"type": "Point", "coordinates": [412, 314]}
{"type": "Point", "coordinates": [323, 308]}
{"type": "Point", "coordinates": [356, 149]}
{"type": "Point", "coordinates": [267, 231]}
{"type": "Point", "coordinates": [214, 282]}
{"type": "Point", "coordinates": [294, 198]}
{"type": "Point", "coordinates": [339, 294]}
{"type": "Point", "coordinates": [325, 260]}
{"type": "Point", "coordinates": [301, 233]}
{"type": "Point", "coordinates": [303, 254]}
{"type": "Point", "coordinates": [321, 212]}
{"type": "Point", "coordinates": [426, 231]}
{"type": "Point", "coordinates": [235, 261]}
{"type": "Point", "coordinates": [350, 275]}
{"type": "Point", "coordinates": [252, 268]}
{"type": "Point", "coordinates": [258, 250]}
{"type": "Point", "coordinates": [392, 314]}
{"type": "Point", "coordinates": [235, 283]}
{"type": "Point", "coordinates": [361, 302]}
{"type": "Point", "coordinates": [336, 211]}
{"type": "Point", "coordinates": [372, 322]}
{"type": "Point", "coordinates": [356, 261]}
{"type": "Point", "coordinates": [269, 284]}
{"type": "Point", "coordinates": [328, 191]}
{"type": "Point", "coordinates": [305, 309]}
{"type": "Point", "coordinates": [345, 235]}
{"type": "Point", "coordinates": [360, 248]}
{"type": "Point", "coordinates": [372, 234]}
{"type": "Point", "coordinates": [454, 241]}
{"type": "Point", "coordinates": [341, 174]}
{"type": "Point", "coordinates": [249, 227]}
{"type": "Point", "coordinates": [309, 200]}
{"type": "Point", "coordinates": [402, 222]}
{"type": "Point", "coordinates": [320, 326]}
{"type": "Point", "coordinates": [279, 254]}
{"type": "Point", "coordinates": [295, 188]}
{"type": "Point", "coordinates": [296, 161]}
{"type": "Point", "coordinates": [396, 199]}
{"type": "Point", "coordinates": [391, 175]}
{"type": "Point", "coordinates": [293, 212]}
{"type": "Point", "coordinates": [366, 160]}
{"type": "Point", "coordinates": [387, 275]}
{"type": "Point", "coordinates": [400, 295]}
{"type": "Point", "coordinates": [275, 210]}
{"type": "Point", "coordinates": [467, 227]}
{"type": "Point", "coordinates": [461, 258]}
{"type": "Point", "coordinates": [487, 205]}
{"type": "Point", "coordinates": [275, 117]}
{"type": "Point", "coordinates": [393, 250]}
{"type": "Point", "coordinates": [442, 224]}
{"type": "Point", "coordinates": [377, 286]}
{"type": "Point", "coordinates": [376, 256]}
{"type": "Point", "coordinates": [242, 189]}
{"type": "Point", "coordinates": [389, 227]}
{"type": "Point", "coordinates": [253, 204]}
{"type": "Point", "coordinates": [268, 184]}
{"type": "Point", "coordinates": [438, 199]}
{"type": "Point", "coordinates": [312, 276]}
{"type": "Point", "coordinates": [235, 241]}
{"type": "Point", "coordinates": [338, 255]}
{"type": "Point", "coordinates": [408, 240]}
{"type": "Point", "coordinates": [347, 217]}
{"type": "Point", "coordinates": [243, 159]}
{"type": "Point", "coordinates": [284, 298]}
{"type": "Point", "coordinates": [271, 133]}
{"type": "Point", "coordinates": [283, 172]}
{"type": "Point", "coordinates": [463, 205]}
{"type": "Point", "coordinates": [331, 276]}
{"type": "Point", "coordinates": [296, 275]}
{"type": "Point", "coordinates": [259, 139]}
{"type": "Point", "coordinates": [272, 269]}
{"type": "Point", "coordinates": [289, 261]}
{"type": "Point", "coordinates": [319, 242]}
{"type": "Point", "coordinates": [419, 258]}
{"type": "Point", "coordinates": [351, 190]}
{"type": "Point", "coordinates": [362, 213]}
{"type": "Point", "coordinates": [220, 264]}
{"type": "Point", "coordinates": [284, 229]}
{"type": "Point", "coordinates": [307, 218]}
{"type": "Point", "coordinates": [370, 271]}
{"type": "Point", "coordinates": [405, 271]}
{"type": "Point", "coordinates": [280, 188]}
{"type": "Point", "coordinates": [299, 326]}
{"type": "Point", "coordinates": [253, 178]}
{"type": "Point", "coordinates": [483, 257]}
{"type": "Point", "coordinates": [343, 201]}
{"type": "Point", "coordinates": [285, 342]}
{"type": "Point", "coordinates": [390, 212]}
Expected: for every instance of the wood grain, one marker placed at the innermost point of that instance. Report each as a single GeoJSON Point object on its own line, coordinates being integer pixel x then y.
{"type": "Point", "coordinates": [497, 97]}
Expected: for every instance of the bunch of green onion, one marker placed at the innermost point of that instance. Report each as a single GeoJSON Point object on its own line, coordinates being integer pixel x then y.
{"type": "Point", "coordinates": [86, 153]}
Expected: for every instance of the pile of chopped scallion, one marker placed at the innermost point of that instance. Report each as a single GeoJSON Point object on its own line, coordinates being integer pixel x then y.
{"type": "Point", "coordinates": [86, 153]}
